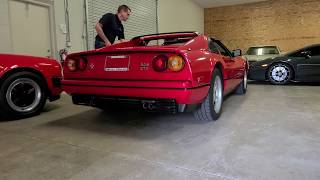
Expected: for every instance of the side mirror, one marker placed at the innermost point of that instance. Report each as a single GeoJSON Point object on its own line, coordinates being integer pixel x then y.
{"type": "Point", "coordinates": [306, 54]}
{"type": "Point", "coordinates": [237, 52]}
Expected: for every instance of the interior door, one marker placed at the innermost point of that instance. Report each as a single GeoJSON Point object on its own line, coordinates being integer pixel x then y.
{"type": "Point", "coordinates": [30, 29]}
{"type": "Point", "coordinates": [309, 68]}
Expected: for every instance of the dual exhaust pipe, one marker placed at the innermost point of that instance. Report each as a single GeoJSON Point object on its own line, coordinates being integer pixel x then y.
{"type": "Point", "coordinates": [148, 105]}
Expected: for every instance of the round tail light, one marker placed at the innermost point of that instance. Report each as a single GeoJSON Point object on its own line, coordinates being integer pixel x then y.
{"type": "Point", "coordinates": [72, 64]}
{"type": "Point", "coordinates": [82, 64]}
{"type": "Point", "coordinates": [160, 63]}
{"type": "Point", "coordinates": [175, 63]}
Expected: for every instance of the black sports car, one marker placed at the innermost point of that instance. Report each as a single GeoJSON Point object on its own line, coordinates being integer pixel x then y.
{"type": "Point", "coordinates": [300, 65]}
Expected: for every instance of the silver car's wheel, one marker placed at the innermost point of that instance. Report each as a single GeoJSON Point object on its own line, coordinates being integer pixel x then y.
{"type": "Point", "coordinates": [280, 74]}
{"type": "Point", "coordinates": [217, 95]}
{"type": "Point", "coordinates": [23, 95]}
{"type": "Point", "coordinates": [245, 80]}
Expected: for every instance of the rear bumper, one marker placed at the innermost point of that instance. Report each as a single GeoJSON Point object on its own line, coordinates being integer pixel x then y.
{"type": "Point", "coordinates": [177, 91]}
{"type": "Point", "coordinates": [113, 103]}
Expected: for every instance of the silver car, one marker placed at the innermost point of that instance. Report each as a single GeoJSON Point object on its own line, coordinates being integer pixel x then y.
{"type": "Point", "coordinates": [259, 53]}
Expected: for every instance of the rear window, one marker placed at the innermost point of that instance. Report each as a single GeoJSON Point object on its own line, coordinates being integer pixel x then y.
{"type": "Point", "coordinates": [165, 42]}
{"type": "Point", "coordinates": [260, 51]}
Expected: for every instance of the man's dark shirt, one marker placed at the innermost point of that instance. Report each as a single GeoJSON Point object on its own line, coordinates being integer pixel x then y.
{"type": "Point", "coordinates": [112, 27]}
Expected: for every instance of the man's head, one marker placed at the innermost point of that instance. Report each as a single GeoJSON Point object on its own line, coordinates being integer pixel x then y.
{"type": "Point", "coordinates": [124, 12]}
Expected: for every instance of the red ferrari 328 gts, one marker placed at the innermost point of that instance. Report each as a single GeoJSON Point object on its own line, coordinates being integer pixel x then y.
{"type": "Point", "coordinates": [172, 72]}
{"type": "Point", "coordinates": [26, 82]}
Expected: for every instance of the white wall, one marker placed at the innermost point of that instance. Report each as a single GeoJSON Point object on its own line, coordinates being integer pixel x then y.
{"type": "Point", "coordinates": [174, 15]}
{"type": "Point", "coordinates": [76, 8]}
{"type": "Point", "coordinates": [5, 40]}
{"type": "Point", "coordinates": [180, 15]}
{"type": "Point", "coordinates": [77, 18]}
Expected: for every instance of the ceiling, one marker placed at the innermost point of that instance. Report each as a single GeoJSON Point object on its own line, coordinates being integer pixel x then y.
{"type": "Point", "coordinates": [216, 3]}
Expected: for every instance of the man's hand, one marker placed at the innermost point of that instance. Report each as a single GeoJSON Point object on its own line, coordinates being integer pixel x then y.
{"type": "Point", "coordinates": [107, 43]}
{"type": "Point", "coordinates": [124, 40]}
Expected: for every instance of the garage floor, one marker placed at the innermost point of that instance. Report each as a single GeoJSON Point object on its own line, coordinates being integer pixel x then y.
{"type": "Point", "coordinates": [271, 133]}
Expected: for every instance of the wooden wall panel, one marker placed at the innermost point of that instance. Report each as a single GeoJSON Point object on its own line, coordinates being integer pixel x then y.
{"type": "Point", "coordinates": [290, 24]}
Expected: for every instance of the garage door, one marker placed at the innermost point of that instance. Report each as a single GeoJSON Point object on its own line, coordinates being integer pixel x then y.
{"type": "Point", "coordinates": [143, 19]}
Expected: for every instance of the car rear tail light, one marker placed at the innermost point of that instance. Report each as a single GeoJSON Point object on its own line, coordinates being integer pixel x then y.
{"type": "Point", "coordinates": [175, 63]}
{"type": "Point", "coordinates": [77, 64]}
{"type": "Point", "coordinates": [82, 64]}
{"type": "Point", "coordinates": [160, 63]}
{"type": "Point", "coordinates": [72, 64]}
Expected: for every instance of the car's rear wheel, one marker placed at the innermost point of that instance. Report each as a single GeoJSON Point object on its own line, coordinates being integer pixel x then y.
{"type": "Point", "coordinates": [242, 88]}
{"type": "Point", "coordinates": [211, 108]}
{"type": "Point", "coordinates": [280, 74]}
{"type": "Point", "coordinates": [22, 95]}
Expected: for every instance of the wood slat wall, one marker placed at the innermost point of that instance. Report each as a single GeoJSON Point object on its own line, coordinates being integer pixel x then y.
{"type": "Point", "coordinates": [143, 19]}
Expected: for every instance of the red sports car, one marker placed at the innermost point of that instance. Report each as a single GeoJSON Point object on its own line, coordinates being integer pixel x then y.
{"type": "Point", "coordinates": [26, 83]}
{"type": "Point", "coordinates": [172, 72]}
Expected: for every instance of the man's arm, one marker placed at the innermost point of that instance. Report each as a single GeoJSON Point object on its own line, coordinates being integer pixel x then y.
{"type": "Point", "coordinates": [101, 34]}
{"type": "Point", "coordinates": [121, 35]}
{"type": "Point", "coordinates": [123, 40]}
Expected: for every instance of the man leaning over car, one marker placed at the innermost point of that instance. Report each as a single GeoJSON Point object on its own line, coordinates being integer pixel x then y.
{"type": "Point", "coordinates": [109, 27]}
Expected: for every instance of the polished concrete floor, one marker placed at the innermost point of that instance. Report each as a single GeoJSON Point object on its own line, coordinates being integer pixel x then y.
{"type": "Point", "coordinates": [271, 133]}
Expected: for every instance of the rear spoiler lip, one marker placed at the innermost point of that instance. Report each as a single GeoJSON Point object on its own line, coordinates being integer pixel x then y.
{"type": "Point", "coordinates": [163, 35]}
{"type": "Point", "coordinates": [127, 50]}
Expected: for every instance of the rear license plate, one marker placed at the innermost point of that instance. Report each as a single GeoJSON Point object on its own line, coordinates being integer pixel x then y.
{"type": "Point", "coordinates": [117, 63]}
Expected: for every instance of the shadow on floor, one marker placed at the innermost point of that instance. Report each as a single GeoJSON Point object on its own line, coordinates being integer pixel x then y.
{"type": "Point", "coordinates": [48, 108]}
{"type": "Point", "coordinates": [130, 124]}
{"type": "Point", "coordinates": [51, 107]}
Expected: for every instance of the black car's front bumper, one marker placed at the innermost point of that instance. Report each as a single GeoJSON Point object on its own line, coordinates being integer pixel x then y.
{"type": "Point", "coordinates": [258, 72]}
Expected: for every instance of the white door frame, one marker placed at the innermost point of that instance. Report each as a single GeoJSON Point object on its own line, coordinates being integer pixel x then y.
{"type": "Point", "coordinates": [47, 4]}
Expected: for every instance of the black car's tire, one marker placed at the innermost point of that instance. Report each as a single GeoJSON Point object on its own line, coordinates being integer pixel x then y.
{"type": "Point", "coordinates": [280, 74]}
{"type": "Point", "coordinates": [22, 95]}
{"type": "Point", "coordinates": [242, 88]}
{"type": "Point", "coordinates": [211, 107]}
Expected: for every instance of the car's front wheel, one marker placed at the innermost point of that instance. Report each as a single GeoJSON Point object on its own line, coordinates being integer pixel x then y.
{"type": "Point", "coordinates": [211, 108]}
{"type": "Point", "coordinates": [22, 95]}
{"type": "Point", "coordinates": [242, 88]}
{"type": "Point", "coordinates": [280, 74]}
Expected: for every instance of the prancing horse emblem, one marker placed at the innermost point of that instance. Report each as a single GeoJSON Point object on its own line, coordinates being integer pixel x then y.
{"type": "Point", "coordinates": [144, 66]}
{"type": "Point", "coordinates": [91, 66]}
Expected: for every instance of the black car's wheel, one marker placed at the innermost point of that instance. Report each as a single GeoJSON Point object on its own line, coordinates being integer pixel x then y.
{"type": "Point", "coordinates": [211, 108]}
{"type": "Point", "coordinates": [242, 88]}
{"type": "Point", "coordinates": [22, 95]}
{"type": "Point", "coordinates": [280, 74]}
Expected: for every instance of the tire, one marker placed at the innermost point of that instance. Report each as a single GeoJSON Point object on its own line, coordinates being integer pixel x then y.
{"type": "Point", "coordinates": [22, 95]}
{"type": "Point", "coordinates": [280, 74]}
{"type": "Point", "coordinates": [211, 107]}
{"type": "Point", "coordinates": [242, 88]}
